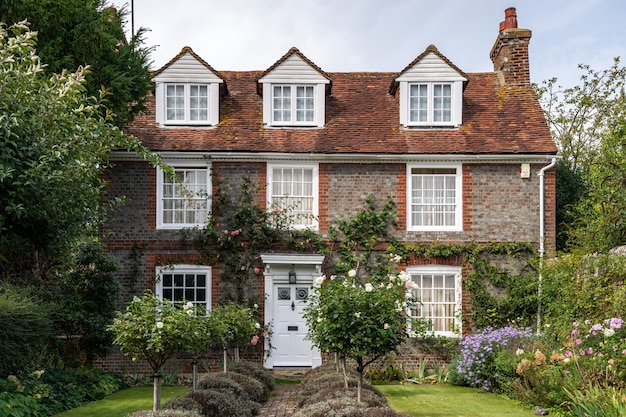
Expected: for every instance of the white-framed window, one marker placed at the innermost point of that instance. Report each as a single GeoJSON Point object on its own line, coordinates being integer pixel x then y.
{"type": "Point", "coordinates": [182, 283]}
{"type": "Point", "coordinates": [293, 104]}
{"type": "Point", "coordinates": [439, 297]}
{"type": "Point", "coordinates": [435, 196]}
{"type": "Point", "coordinates": [186, 103]}
{"type": "Point", "coordinates": [430, 103]}
{"type": "Point", "coordinates": [184, 199]}
{"type": "Point", "coordinates": [293, 189]}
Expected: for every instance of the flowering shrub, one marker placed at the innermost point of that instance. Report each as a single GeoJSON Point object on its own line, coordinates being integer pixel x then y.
{"type": "Point", "coordinates": [600, 350]}
{"type": "Point", "coordinates": [357, 318]}
{"type": "Point", "coordinates": [476, 364]}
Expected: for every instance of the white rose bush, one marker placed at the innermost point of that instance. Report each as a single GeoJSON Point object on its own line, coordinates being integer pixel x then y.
{"type": "Point", "coordinates": [360, 319]}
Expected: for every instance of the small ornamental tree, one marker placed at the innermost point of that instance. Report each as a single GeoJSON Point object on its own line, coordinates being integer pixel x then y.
{"type": "Point", "coordinates": [154, 330]}
{"type": "Point", "coordinates": [233, 326]}
{"type": "Point", "coordinates": [362, 320]}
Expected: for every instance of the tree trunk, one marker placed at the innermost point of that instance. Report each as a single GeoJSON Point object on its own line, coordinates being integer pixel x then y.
{"type": "Point", "coordinates": [156, 404]}
{"type": "Point", "coordinates": [225, 358]}
{"type": "Point", "coordinates": [345, 372]}
{"type": "Point", "coordinates": [359, 369]}
{"type": "Point", "coordinates": [194, 377]}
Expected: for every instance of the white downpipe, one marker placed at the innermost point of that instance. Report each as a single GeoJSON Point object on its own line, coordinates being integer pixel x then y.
{"type": "Point", "coordinates": [542, 235]}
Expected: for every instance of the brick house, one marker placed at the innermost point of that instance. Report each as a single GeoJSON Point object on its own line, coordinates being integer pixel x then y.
{"type": "Point", "coordinates": [467, 157]}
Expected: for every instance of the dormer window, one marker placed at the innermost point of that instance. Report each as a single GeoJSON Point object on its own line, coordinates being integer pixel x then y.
{"type": "Point", "coordinates": [187, 92]}
{"type": "Point", "coordinates": [431, 92]}
{"type": "Point", "coordinates": [293, 104]}
{"type": "Point", "coordinates": [294, 92]}
{"type": "Point", "coordinates": [186, 103]}
{"type": "Point", "coordinates": [430, 103]}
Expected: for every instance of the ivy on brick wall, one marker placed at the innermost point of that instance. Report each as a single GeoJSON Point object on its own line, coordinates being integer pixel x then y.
{"type": "Point", "coordinates": [502, 280]}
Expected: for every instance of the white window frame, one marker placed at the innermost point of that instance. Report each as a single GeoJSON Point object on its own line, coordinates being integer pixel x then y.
{"type": "Point", "coordinates": [271, 197]}
{"type": "Point", "coordinates": [212, 105]}
{"type": "Point", "coordinates": [293, 105]}
{"type": "Point", "coordinates": [458, 198]}
{"type": "Point", "coordinates": [185, 270]}
{"type": "Point", "coordinates": [319, 103]}
{"type": "Point", "coordinates": [427, 306]}
{"type": "Point", "coordinates": [456, 103]}
{"type": "Point", "coordinates": [163, 179]}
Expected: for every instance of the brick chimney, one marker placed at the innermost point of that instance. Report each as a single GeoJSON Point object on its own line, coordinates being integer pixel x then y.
{"type": "Point", "coordinates": [510, 51]}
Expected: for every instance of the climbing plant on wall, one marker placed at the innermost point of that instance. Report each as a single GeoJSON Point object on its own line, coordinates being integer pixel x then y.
{"type": "Point", "coordinates": [239, 231]}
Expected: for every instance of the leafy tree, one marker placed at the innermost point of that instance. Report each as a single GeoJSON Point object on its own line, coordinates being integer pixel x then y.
{"type": "Point", "coordinates": [233, 326]}
{"type": "Point", "coordinates": [585, 122]}
{"type": "Point", "coordinates": [84, 302]}
{"type": "Point", "coordinates": [580, 116]}
{"type": "Point", "coordinates": [601, 212]}
{"type": "Point", "coordinates": [155, 330]}
{"type": "Point", "coordinates": [55, 144]}
{"type": "Point", "coordinates": [362, 320]}
{"type": "Point", "coordinates": [76, 33]}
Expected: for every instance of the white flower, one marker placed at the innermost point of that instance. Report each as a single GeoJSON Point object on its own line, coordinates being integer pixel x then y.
{"type": "Point", "coordinates": [188, 305]}
{"type": "Point", "coordinates": [320, 280]}
{"type": "Point", "coordinates": [408, 295]}
{"type": "Point", "coordinates": [189, 312]}
{"type": "Point", "coordinates": [159, 325]}
{"type": "Point", "coordinates": [386, 326]}
{"type": "Point", "coordinates": [369, 287]}
{"type": "Point", "coordinates": [333, 277]}
{"type": "Point", "coordinates": [609, 332]}
{"type": "Point", "coordinates": [519, 352]}
{"type": "Point", "coordinates": [352, 273]}
{"type": "Point", "coordinates": [403, 276]}
{"type": "Point", "coordinates": [255, 306]}
{"type": "Point", "coordinates": [257, 325]}
{"type": "Point", "coordinates": [357, 315]}
{"type": "Point", "coordinates": [320, 319]}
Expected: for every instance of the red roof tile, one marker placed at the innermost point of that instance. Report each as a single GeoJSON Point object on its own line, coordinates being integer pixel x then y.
{"type": "Point", "coordinates": [362, 117]}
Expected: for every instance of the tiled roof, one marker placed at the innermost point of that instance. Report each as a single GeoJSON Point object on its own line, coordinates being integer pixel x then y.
{"type": "Point", "coordinates": [362, 117]}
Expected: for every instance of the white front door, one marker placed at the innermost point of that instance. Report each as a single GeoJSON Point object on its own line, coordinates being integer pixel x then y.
{"type": "Point", "coordinates": [290, 329]}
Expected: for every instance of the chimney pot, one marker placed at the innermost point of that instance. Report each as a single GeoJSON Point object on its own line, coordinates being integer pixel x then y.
{"type": "Point", "coordinates": [510, 19]}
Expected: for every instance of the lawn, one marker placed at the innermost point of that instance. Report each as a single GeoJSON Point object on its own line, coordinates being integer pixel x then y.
{"type": "Point", "coordinates": [124, 402]}
{"type": "Point", "coordinates": [447, 400]}
{"type": "Point", "coordinates": [413, 400]}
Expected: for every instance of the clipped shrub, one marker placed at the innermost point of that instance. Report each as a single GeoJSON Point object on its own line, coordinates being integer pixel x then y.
{"type": "Point", "coordinates": [328, 382]}
{"type": "Point", "coordinates": [256, 371]}
{"type": "Point", "coordinates": [220, 382]}
{"type": "Point", "coordinates": [26, 328]}
{"type": "Point", "coordinates": [219, 404]}
{"type": "Point", "coordinates": [164, 413]}
{"type": "Point", "coordinates": [183, 403]}
{"type": "Point", "coordinates": [370, 397]}
{"type": "Point", "coordinates": [335, 407]}
{"type": "Point", "coordinates": [253, 389]}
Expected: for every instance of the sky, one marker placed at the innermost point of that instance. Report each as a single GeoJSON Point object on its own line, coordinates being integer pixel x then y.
{"type": "Point", "coordinates": [382, 35]}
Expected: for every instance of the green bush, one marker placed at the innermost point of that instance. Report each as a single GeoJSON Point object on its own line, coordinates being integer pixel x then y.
{"type": "Point", "coordinates": [164, 413]}
{"type": "Point", "coordinates": [219, 404]}
{"type": "Point", "coordinates": [323, 394]}
{"type": "Point", "coordinates": [42, 393]}
{"type": "Point", "coordinates": [25, 330]}
{"type": "Point", "coordinates": [183, 403]}
{"type": "Point", "coordinates": [252, 389]}
{"type": "Point", "coordinates": [221, 383]}
{"type": "Point", "coordinates": [256, 371]}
